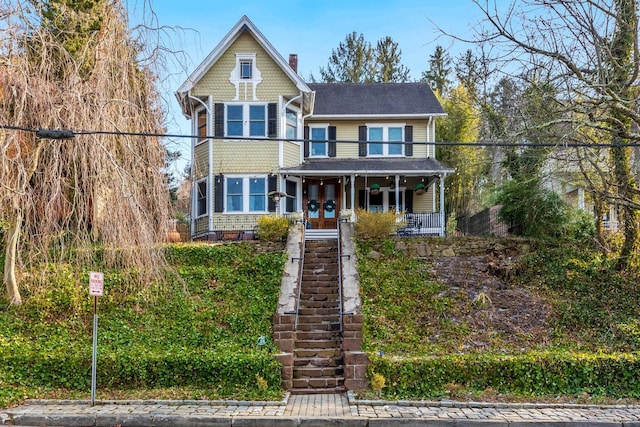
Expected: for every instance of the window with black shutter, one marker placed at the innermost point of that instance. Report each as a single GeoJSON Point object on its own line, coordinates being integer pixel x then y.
{"type": "Point", "coordinates": [362, 136]}
{"type": "Point", "coordinates": [408, 137]}
{"type": "Point", "coordinates": [332, 141]}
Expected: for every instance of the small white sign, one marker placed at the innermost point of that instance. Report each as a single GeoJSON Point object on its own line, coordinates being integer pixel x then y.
{"type": "Point", "coordinates": [96, 284]}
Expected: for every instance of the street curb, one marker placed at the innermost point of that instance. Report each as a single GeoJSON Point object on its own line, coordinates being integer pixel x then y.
{"type": "Point", "coordinates": [353, 400]}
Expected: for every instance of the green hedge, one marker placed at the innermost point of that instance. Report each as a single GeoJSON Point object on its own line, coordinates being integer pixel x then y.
{"type": "Point", "coordinates": [615, 375]}
{"type": "Point", "coordinates": [226, 371]}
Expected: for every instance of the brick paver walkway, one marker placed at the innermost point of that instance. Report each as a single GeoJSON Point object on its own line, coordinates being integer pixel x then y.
{"type": "Point", "coordinates": [321, 409]}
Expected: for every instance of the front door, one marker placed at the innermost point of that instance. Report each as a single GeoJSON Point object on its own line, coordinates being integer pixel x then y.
{"type": "Point", "coordinates": [322, 199]}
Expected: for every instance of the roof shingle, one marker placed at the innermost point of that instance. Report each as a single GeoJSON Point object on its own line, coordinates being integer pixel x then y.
{"type": "Point", "coordinates": [363, 99]}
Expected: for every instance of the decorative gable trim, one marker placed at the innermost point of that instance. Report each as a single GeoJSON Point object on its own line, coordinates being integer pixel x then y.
{"type": "Point", "coordinates": [243, 25]}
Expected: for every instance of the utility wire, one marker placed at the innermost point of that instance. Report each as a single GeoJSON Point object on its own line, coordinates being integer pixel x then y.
{"type": "Point", "coordinates": [70, 134]}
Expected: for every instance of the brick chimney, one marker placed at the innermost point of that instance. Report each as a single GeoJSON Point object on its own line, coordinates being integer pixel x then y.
{"type": "Point", "coordinates": [293, 61]}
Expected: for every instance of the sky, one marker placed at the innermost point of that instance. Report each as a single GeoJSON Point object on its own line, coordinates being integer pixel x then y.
{"type": "Point", "coordinates": [311, 29]}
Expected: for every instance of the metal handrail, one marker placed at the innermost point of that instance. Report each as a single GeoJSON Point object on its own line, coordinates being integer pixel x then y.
{"type": "Point", "coordinates": [340, 274]}
{"type": "Point", "coordinates": [300, 271]}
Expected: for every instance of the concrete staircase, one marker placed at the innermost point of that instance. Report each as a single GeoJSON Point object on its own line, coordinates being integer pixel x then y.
{"type": "Point", "coordinates": [318, 359]}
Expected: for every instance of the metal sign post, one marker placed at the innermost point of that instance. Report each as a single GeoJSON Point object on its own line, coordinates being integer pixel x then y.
{"type": "Point", "coordinates": [96, 285]}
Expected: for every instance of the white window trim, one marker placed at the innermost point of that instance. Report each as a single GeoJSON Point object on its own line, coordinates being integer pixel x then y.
{"type": "Point", "coordinates": [299, 125]}
{"type": "Point", "coordinates": [385, 138]}
{"type": "Point", "coordinates": [206, 197]}
{"type": "Point", "coordinates": [324, 126]}
{"type": "Point", "coordinates": [245, 194]}
{"type": "Point", "coordinates": [298, 182]}
{"type": "Point", "coordinates": [246, 122]}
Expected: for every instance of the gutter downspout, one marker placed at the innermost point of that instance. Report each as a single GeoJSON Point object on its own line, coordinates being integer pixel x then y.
{"type": "Point", "coordinates": [442, 224]}
{"type": "Point", "coordinates": [207, 107]}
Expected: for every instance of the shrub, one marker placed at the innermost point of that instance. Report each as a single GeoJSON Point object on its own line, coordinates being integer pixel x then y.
{"type": "Point", "coordinates": [376, 225]}
{"type": "Point", "coordinates": [614, 375]}
{"type": "Point", "coordinates": [273, 228]}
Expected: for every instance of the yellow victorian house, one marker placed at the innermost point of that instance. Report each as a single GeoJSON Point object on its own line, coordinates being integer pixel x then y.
{"type": "Point", "coordinates": [268, 142]}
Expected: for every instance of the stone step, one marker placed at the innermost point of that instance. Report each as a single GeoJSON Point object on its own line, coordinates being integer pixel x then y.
{"type": "Point", "coordinates": [318, 383]}
{"type": "Point", "coordinates": [317, 335]}
{"type": "Point", "coordinates": [312, 311]}
{"type": "Point", "coordinates": [314, 353]}
{"type": "Point", "coordinates": [329, 390]}
{"type": "Point", "coordinates": [318, 304]}
{"type": "Point", "coordinates": [333, 326]}
{"type": "Point", "coordinates": [319, 320]}
{"type": "Point", "coordinates": [318, 297]}
{"type": "Point", "coordinates": [312, 289]}
{"type": "Point", "coordinates": [309, 344]}
{"type": "Point", "coordinates": [318, 361]}
{"type": "Point", "coordinates": [317, 372]}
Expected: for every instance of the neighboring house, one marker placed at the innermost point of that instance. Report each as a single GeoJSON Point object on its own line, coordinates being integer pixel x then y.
{"type": "Point", "coordinates": [325, 148]}
{"type": "Point", "coordinates": [563, 175]}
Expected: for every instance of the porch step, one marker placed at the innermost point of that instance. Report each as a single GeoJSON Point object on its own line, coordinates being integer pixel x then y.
{"type": "Point", "coordinates": [321, 234]}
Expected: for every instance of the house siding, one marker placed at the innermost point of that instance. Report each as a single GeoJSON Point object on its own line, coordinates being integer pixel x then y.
{"type": "Point", "coordinates": [201, 160]}
{"type": "Point", "coordinates": [347, 130]}
{"type": "Point", "coordinates": [291, 156]}
{"type": "Point", "coordinates": [230, 157]}
{"type": "Point", "coordinates": [274, 81]}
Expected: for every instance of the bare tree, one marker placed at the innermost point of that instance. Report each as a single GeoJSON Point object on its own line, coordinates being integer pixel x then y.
{"type": "Point", "coordinates": [590, 51]}
{"type": "Point", "coordinates": [60, 197]}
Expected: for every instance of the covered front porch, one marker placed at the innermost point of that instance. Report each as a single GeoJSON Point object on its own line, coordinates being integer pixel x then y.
{"type": "Point", "coordinates": [332, 189]}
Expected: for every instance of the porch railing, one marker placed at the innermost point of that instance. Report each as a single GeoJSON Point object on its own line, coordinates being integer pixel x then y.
{"type": "Point", "coordinates": [419, 224]}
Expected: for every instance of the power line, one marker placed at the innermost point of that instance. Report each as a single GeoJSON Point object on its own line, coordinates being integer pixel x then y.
{"type": "Point", "coordinates": [70, 134]}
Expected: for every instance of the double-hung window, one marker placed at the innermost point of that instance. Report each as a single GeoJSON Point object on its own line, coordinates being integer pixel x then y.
{"type": "Point", "coordinates": [246, 66]}
{"type": "Point", "coordinates": [318, 143]}
{"type": "Point", "coordinates": [292, 124]}
{"type": "Point", "coordinates": [381, 140]}
{"type": "Point", "coordinates": [246, 194]}
{"type": "Point", "coordinates": [201, 197]}
{"type": "Point", "coordinates": [246, 120]}
{"type": "Point", "coordinates": [202, 125]}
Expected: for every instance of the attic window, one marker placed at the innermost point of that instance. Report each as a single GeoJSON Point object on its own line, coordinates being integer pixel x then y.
{"type": "Point", "coordinates": [246, 66]}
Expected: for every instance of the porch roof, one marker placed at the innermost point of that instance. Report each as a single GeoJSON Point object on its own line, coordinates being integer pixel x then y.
{"type": "Point", "coordinates": [370, 166]}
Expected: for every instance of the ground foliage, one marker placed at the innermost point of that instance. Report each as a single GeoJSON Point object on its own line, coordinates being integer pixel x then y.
{"type": "Point", "coordinates": [194, 336]}
{"type": "Point", "coordinates": [566, 324]}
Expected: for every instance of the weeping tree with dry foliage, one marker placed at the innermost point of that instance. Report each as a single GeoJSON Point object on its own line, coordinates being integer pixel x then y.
{"type": "Point", "coordinates": [75, 65]}
{"type": "Point", "coordinates": [591, 53]}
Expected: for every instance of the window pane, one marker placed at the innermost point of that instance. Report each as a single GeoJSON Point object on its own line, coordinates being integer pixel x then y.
{"type": "Point", "coordinates": [257, 124]}
{"type": "Point", "coordinates": [202, 125]}
{"type": "Point", "coordinates": [234, 195]}
{"type": "Point", "coordinates": [395, 134]}
{"type": "Point", "coordinates": [318, 148]}
{"type": "Point", "coordinates": [375, 134]}
{"type": "Point", "coordinates": [234, 112]}
{"type": "Point", "coordinates": [234, 120]}
{"type": "Point", "coordinates": [292, 191]}
{"type": "Point", "coordinates": [257, 194]}
{"type": "Point", "coordinates": [245, 70]}
{"type": "Point", "coordinates": [202, 198]}
{"type": "Point", "coordinates": [292, 125]}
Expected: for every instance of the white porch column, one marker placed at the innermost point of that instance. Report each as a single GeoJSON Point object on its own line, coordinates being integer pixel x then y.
{"type": "Point", "coordinates": [442, 224]}
{"type": "Point", "coordinates": [352, 180]}
{"type": "Point", "coordinates": [397, 193]}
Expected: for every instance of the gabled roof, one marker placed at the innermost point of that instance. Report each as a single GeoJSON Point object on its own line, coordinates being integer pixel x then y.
{"type": "Point", "coordinates": [375, 100]}
{"type": "Point", "coordinates": [243, 25]}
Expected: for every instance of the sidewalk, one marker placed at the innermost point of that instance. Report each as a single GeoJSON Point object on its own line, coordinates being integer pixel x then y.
{"type": "Point", "coordinates": [314, 410]}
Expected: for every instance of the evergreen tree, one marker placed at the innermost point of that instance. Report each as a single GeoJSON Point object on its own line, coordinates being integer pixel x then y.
{"type": "Point", "coordinates": [438, 75]}
{"type": "Point", "coordinates": [352, 62]}
{"type": "Point", "coordinates": [388, 66]}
